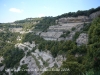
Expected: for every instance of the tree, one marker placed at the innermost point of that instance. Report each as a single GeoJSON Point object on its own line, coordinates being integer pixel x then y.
{"type": "Point", "coordinates": [12, 57]}
{"type": "Point", "coordinates": [93, 51]}
{"type": "Point", "coordinates": [74, 67]}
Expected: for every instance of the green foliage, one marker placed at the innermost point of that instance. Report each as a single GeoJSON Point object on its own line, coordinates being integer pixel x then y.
{"type": "Point", "coordinates": [45, 23]}
{"type": "Point", "coordinates": [1, 64]}
{"type": "Point", "coordinates": [25, 24]}
{"type": "Point", "coordinates": [73, 28]}
{"type": "Point", "coordinates": [28, 53]}
{"type": "Point", "coordinates": [90, 54]}
{"type": "Point", "coordinates": [56, 46]}
{"type": "Point", "coordinates": [28, 20]}
{"type": "Point", "coordinates": [61, 52]}
{"type": "Point", "coordinates": [89, 61]}
{"type": "Point", "coordinates": [79, 49]}
{"type": "Point", "coordinates": [37, 62]}
{"type": "Point", "coordinates": [94, 31]}
{"type": "Point", "coordinates": [90, 72]}
{"type": "Point", "coordinates": [55, 65]}
{"type": "Point", "coordinates": [65, 34]}
{"type": "Point", "coordinates": [76, 35]}
{"type": "Point", "coordinates": [86, 27]}
{"type": "Point", "coordinates": [8, 36]}
{"type": "Point", "coordinates": [74, 67]}
{"type": "Point", "coordinates": [31, 37]}
{"type": "Point", "coordinates": [79, 13]}
{"type": "Point", "coordinates": [5, 47]}
{"type": "Point", "coordinates": [45, 64]}
{"type": "Point", "coordinates": [8, 25]}
{"type": "Point", "coordinates": [69, 67]}
{"type": "Point", "coordinates": [33, 49]}
{"type": "Point", "coordinates": [25, 48]}
{"type": "Point", "coordinates": [12, 57]}
{"type": "Point", "coordinates": [93, 52]}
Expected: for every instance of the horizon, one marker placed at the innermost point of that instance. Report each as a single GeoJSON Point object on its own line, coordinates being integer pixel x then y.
{"type": "Point", "coordinates": [13, 10]}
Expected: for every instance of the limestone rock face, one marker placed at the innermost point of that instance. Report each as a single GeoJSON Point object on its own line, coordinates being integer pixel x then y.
{"type": "Point", "coordinates": [94, 15]}
{"type": "Point", "coordinates": [73, 19]}
{"type": "Point", "coordinates": [82, 39]}
{"type": "Point", "coordinates": [1, 58]}
{"type": "Point", "coordinates": [54, 32]}
{"type": "Point", "coordinates": [51, 35]}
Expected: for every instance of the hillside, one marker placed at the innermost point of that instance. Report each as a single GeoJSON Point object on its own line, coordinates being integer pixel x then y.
{"type": "Point", "coordinates": [64, 45]}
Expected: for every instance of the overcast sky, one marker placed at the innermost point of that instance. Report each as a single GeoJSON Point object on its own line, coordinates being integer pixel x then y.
{"type": "Point", "coordinates": [11, 10]}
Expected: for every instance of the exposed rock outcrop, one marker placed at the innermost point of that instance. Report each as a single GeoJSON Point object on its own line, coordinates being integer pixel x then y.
{"type": "Point", "coordinates": [15, 29]}
{"type": "Point", "coordinates": [51, 35]}
{"type": "Point", "coordinates": [1, 59]}
{"type": "Point", "coordinates": [82, 39]}
{"type": "Point", "coordinates": [38, 59]}
{"type": "Point", "coordinates": [54, 32]}
{"type": "Point", "coordinates": [73, 19]}
{"type": "Point", "coordinates": [94, 15]}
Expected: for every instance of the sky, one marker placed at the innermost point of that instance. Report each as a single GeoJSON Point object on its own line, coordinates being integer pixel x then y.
{"type": "Point", "coordinates": [12, 10]}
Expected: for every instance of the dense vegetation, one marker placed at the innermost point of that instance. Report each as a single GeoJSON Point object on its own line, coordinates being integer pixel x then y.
{"type": "Point", "coordinates": [26, 24]}
{"type": "Point", "coordinates": [32, 37]}
{"type": "Point", "coordinates": [84, 29]}
{"type": "Point", "coordinates": [45, 23]}
{"type": "Point", "coordinates": [65, 34]}
{"type": "Point", "coordinates": [79, 13]}
{"type": "Point", "coordinates": [12, 57]}
{"type": "Point", "coordinates": [28, 20]}
{"type": "Point", "coordinates": [8, 36]}
{"type": "Point", "coordinates": [7, 40]}
{"type": "Point", "coordinates": [94, 49]}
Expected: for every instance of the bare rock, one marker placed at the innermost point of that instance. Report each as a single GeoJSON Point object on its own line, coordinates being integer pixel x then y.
{"type": "Point", "coordinates": [82, 39]}
{"type": "Point", "coordinates": [94, 15]}
{"type": "Point", "coordinates": [1, 59]}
